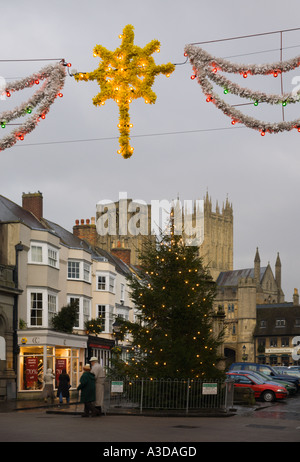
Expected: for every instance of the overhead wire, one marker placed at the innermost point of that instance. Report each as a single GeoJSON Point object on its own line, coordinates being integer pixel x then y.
{"type": "Point", "coordinates": [245, 36]}
{"type": "Point", "coordinates": [177, 64]}
{"type": "Point", "coordinates": [27, 60]}
{"type": "Point", "coordinates": [132, 136]}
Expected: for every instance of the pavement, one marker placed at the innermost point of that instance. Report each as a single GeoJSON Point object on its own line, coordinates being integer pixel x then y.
{"type": "Point", "coordinates": [26, 405]}
{"type": "Point", "coordinates": [112, 433]}
{"type": "Point", "coordinates": [76, 408]}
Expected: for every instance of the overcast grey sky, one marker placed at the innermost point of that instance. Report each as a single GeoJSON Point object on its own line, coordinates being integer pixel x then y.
{"type": "Point", "coordinates": [260, 175]}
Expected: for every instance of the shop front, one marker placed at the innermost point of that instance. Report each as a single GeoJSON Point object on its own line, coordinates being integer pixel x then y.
{"type": "Point", "coordinates": [277, 357]}
{"type": "Point", "coordinates": [100, 348]}
{"type": "Point", "coordinates": [43, 349]}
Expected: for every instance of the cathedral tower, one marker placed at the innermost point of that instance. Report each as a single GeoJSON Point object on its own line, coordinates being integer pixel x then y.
{"type": "Point", "coordinates": [216, 249]}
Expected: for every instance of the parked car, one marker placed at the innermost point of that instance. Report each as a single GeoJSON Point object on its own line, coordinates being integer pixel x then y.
{"type": "Point", "coordinates": [265, 369]}
{"type": "Point", "coordinates": [289, 386]}
{"type": "Point", "coordinates": [285, 370]}
{"type": "Point", "coordinates": [262, 390]}
{"type": "Point", "coordinates": [294, 368]}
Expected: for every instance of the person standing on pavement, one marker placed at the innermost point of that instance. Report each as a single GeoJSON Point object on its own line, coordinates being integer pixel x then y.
{"type": "Point", "coordinates": [48, 391]}
{"type": "Point", "coordinates": [88, 392]}
{"type": "Point", "coordinates": [99, 374]}
{"type": "Point", "coordinates": [63, 387]}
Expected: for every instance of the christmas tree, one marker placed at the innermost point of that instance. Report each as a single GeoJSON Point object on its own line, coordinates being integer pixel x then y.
{"type": "Point", "coordinates": [172, 336]}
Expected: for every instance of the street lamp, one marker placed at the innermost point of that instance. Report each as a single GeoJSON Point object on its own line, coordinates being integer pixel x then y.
{"type": "Point", "coordinates": [116, 329]}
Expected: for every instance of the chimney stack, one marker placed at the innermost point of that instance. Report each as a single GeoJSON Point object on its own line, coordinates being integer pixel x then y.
{"type": "Point", "coordinates": [122, 253]}
{"type": "Point", "coordinates": [86, 231]}
{"type": "Point", "coordinates": [33, 202]}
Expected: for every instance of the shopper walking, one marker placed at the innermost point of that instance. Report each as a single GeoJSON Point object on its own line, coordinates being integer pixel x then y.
{"type": "Point", "coordinates": [63, 389]}
{"type": "Point", "coordinates": [88, 392]}
{"type": "Point", "coordinates": [99, 374]}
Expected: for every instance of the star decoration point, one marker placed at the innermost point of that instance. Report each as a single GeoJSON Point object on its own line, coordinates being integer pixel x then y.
{"type": "Point", "coordinates": [124, 75]}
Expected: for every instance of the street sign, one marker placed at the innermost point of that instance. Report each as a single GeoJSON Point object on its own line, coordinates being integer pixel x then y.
{"type": "Point", "coordinates": [209, 388]}
{"type": "Point", "coordinates": [116, 387]}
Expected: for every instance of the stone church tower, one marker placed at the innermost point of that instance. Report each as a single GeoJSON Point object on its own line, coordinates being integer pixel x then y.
{"type": "Point", "coordinates": [216, 249]}
{"type": "Point", "coordinates": [239, 293]}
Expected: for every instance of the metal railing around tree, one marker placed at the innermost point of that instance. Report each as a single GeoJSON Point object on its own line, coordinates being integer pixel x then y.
{"type": "Point", "coordinates": [166, 394]}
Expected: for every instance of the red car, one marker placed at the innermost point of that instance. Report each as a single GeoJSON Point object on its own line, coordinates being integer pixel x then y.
{"type": "Point", "coordinates": [267, 391]}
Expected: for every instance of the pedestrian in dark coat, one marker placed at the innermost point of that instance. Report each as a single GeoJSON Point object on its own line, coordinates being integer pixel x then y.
{"type": "Point", "coordinates": [88, 392]}
{"type": "Point", "coordinates": [63, 387]}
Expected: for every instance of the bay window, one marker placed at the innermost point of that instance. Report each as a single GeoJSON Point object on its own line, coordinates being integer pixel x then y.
{"type": "Point", "coordinates": [122, 296]}
{"type": "Point", "coordinates": [79, 270]}
{"type": "Point", "coordinates": [52, 257]}
{"type": "Point", "coordinates": [106, 281]}
{"type": "Point", "coordinates": [83, 305]}
{"type": "Point", "coordinates": [36, 309]}
{"type": "Point", "coordinates": [105, 313]}
{"type": "Point", "coordinates": [36, 253]}
{"type": "Point", "coordinates": [52, 308]}
{"type": "Point", "coordinates": [42, 253]}
{"type": "Point", "coordinates": [73, 270]}
{"type": "Point", "coordinates": [42, 306]}
{"type": "Point", "coordinates": [101, 283]}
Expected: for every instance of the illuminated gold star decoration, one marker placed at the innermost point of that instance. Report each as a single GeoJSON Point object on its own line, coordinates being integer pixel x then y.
{"type": "Point", "coordinates": [124, 75]}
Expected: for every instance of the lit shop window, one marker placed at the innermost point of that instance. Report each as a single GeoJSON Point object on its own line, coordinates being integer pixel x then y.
{"type": "Point", "coordinates": [35, 360]}
{"type": "Point", "coordinates": [31, 368]}
{"type": "Point", "coordinates": [67, 359]}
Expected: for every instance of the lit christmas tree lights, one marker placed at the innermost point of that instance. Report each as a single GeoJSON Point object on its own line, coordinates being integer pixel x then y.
{"type": "Point", "coordinates": [172, 336]}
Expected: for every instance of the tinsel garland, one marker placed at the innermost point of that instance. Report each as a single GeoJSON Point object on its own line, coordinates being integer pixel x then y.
{"type": "Point", "coordinates": [54, 78]}
{"type": "Point", "coordinates": [124, 75]}
{"type": "Point", "coordinates": [207, 67]}
{"type": "Point", "coordinates": [200, 56]}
